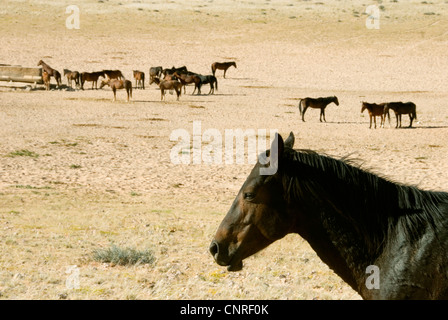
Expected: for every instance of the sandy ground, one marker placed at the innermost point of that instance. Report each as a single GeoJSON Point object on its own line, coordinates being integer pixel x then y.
{"type": "Point", "coordinates": [90, 152]}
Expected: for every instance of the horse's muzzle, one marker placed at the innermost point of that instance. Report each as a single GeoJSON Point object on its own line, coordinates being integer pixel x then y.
{"type": "Point", "coordinates": [224, 259]}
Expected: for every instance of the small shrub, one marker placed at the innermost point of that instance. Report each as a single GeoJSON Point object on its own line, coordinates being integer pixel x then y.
{"type": "Point", "coordinates": [123, 257]}
{"type": "Point", "coordinates": [23, 153]}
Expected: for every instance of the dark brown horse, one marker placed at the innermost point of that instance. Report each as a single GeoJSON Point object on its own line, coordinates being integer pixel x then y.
{"type": "Point", "coordinates": [91, 76]}
{"type": "Point", "coordinates": [118, 84]}
{"type": "Point", "coordinates": [154, 72]}
{"type": "Point", "coordinates": [210, 80]}
{"type": "Point", "coordinates": [386, 240]}
{"type": "Point", "coordinates": [46, 79]}
{"type": "Point", "coordinates": [139, 77]}
{"type": "Point", "coordinates": [173, 70]}
{"type": "Point", "coordinates": [222, 66]}
{"type": "Point", "coordinates": [113, 74]}
{"type": "Point", "coordinates": [168, 85]}
{"type": "Point", "coordinates": [189, 78]}
{"type": "Point", "coordinates": [319, 103]}
{"type": "Point", "coordinates": [51, 72]}
{"type": "Point", "coordinates": [72, 76]}
{"type": "Point", "coordinates": [400, 108]}
{"type": "Point", "coordinates": [374, 110]}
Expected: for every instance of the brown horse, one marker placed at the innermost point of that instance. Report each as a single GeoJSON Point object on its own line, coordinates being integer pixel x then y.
{"type": "Point", "coordinates": [154, 72]}
{"type": "Point", "coordinates": [72, 76]}
{"type": "Point", "coordinates": [118, 84]}
{"type": "Point", "coordinates": [400, 108]}
{"type": "Point", "coordinates": [211, 80]}
{"type": "Point", "coordinates": [91, 76]}
{"type": "Point", "coordinates": [188, 78]}
{"type": "Point", "coordinates": [374, 110]}
{"type": "Point", "coordinates": [168, 85]}
{"type": "Point", "coordinates": [139, 77]}
{"type": "Point", "coordinates": [182, 69]}
{"type": "Point", "coordinates": [319, 103]}
{"type": "Point", "coordinates": [46, 78]}
{"type": "Point", "coordinates": [113, 74]}
{"type": "Point", "coordinates": [386, 240]}
{"type": "Point", "coordinates": [222, 66]}
{"type": "Point", "coordinates": [51, 72]}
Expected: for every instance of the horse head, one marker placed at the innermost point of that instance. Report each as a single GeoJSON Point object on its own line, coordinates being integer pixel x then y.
{"type": "Point", "coordinates": [363, 106]}
{"type": "Point", "coordinates": [257, 217]}
{"type": "Point", "coordinates": [105, 82]}
{"type": "Point", "coordinates": [335, 100]}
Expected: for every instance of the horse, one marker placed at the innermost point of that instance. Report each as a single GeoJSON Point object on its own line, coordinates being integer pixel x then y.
{"type": "Point", "coordinates": [118, 84]}
{"type": "Point", "coordinates": [91, 76]}
{"type": "Point", "coordinates": [46, 79]}
{"type": "Point", "coordinates": [72, 75]}
{"type": "Point", "coordinates": [154, 72]}
{"type": "Point", "coordinates": [51, 72]}
{"type": "Point", "coordinates": [357, 222]}
{"type": "Point", "coordinates": [208, 79]}
{"type": "Point", "coordinates": [374, 111]}
{"type": "Point", "coordinates": [182, 69]}
{"type": "Point", "coordinates": [113, 74]}
{"type": "Point", "coordinates": [319, 103]}
{"type": "Point", "coordinates": [188, 78]}
{"type": "Point", "coordinates": [222, 66]}
{"type": "Point", "coordinates": [139, 77]}
{"type": "Point", "coordinates": [400, 108]}
{"type": "Point", "coordinates": [169, 85]}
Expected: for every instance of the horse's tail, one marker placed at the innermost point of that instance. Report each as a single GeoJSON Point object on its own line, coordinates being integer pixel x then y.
{"type": "Point", "coordinates": [213, 69]}
{"type": "Point", "coordinates": [216, 82]}
{"type": "Point", "coordinates": [300, 106]}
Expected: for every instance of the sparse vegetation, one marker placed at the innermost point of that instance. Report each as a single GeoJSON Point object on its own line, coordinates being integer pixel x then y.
{"type": "Point", "coordinates": [124, 257]}
{"type": "Point", "coordinates": [23, 153]}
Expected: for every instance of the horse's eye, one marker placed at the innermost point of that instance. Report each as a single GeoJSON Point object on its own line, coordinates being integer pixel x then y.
{"type": "Point", "coordinates": [249, 195]}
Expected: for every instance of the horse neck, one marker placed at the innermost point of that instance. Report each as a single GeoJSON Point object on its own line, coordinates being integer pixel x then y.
{"type": "Point", "coordinates": [330, 216]}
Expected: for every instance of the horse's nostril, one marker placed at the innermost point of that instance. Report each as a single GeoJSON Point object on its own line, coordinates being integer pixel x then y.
{"type": "Point", "coordinates": [214, 248]}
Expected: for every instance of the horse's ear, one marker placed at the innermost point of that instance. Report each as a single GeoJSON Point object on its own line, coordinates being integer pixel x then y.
{"type": "Point", "coordinates": [289, 142]}
{"type": "Point", "coordinates": [277, 147]}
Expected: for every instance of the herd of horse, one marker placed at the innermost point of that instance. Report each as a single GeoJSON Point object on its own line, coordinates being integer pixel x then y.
{"type": "Point", "coordinates": [374, 109]}
{"type": "Point", "coordinates": [173, 78]}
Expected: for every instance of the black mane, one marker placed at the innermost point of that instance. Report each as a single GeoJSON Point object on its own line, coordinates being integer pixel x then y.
{"type": "Point", "coordinates": [374, 206]}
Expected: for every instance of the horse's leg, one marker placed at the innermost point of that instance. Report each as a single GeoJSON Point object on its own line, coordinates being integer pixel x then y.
{"type": "Point", "coordinates": [225, 70]}
{"type": "Point", "coordinates": [374, 120]}
{"type": "Point", "coordinates": [411, 118]}
{"type": "Point", "coordinates": [115, 94]}
{"type": "Point", "coordinates": [370, 116]}
{"type": "Point", "coordinates": [322, 114]}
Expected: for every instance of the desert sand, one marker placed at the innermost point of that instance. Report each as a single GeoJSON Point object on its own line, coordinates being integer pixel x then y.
{"type": "Point", "coordinates": [98, 172]}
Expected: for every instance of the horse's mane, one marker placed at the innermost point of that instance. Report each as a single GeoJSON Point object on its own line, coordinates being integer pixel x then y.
{"type": "Point", "coordinates": [373, 205]}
